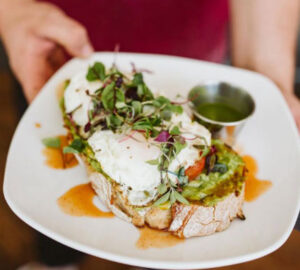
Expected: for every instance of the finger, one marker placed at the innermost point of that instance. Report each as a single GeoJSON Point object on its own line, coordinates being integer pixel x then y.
{"type": "Point", "coordinates": [36, 69]}
{"type": "Point", "coordinates": [66, 32]}
{"type": "Point", "coordinates": [36, 80]}
{"type": "Point", "coordinates": [57, 57]}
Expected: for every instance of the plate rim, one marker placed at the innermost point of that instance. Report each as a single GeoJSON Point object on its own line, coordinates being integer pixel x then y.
{"type": "Point", "coordinates": [130, 260]}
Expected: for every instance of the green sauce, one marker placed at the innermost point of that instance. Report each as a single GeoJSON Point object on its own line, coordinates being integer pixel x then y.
{"type": "Point", "coordinates": [220, 112]}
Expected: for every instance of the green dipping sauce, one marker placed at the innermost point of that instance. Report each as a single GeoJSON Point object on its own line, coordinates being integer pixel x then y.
{"type": "Point", "coordinates": [219, 112]}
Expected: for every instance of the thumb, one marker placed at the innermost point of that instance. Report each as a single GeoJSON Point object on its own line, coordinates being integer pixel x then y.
{"type": "Point", "coordinates": [39, 69]}
{"type": "Point", "coordinates": [66, 32]}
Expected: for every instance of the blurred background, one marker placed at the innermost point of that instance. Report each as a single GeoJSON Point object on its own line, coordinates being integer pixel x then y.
{"type": "Point", "coordinates": [17, 244]}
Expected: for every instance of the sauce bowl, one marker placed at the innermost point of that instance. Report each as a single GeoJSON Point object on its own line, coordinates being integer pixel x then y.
{"type": "Point", "coordinates": [222, 108]}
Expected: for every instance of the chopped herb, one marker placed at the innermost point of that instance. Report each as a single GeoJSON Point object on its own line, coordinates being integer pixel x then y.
{"type": "Point", "coordinates": [138, 79]}
{"type": "Point", "coordinates": [52, 142]}
{"type": "Point", "coordinates": [111, 96]}
{"type": "Point", "coordinates": [220, 167]}
{"type": "Point", "coordinates": [137, 106]}
{"type": "Point", "coordinates": [75, 147]}
{"type": "Point", "coordinates": [179, 146]}
{"type": "Point", "coordinates": [166, 114]}
{"type": "Point", "coordinates": [182, 178]}
{"type": "Point", "coordinates": [163, 199]}
{"type": "Point", "coordinates": [210, 162]}
{"type": "Point", "coordinates": [96, 72]}
{"type": "Point", "coordinates": [120, 105]}
{"type": "Point", "coordinates": [177, 109]}
{"type": "Point", "coordinates": [153, 162]}
{"type": "Point", "coordinates": [175, 130]}
{"type": "Point", "coordinates": [162, 188]}
{"type": "Point", "coordinates": [205, 152]}
{"type": "Point", "coordinates": [180, 198]}
{"type": "Point", "coordinates": [172, 197]}
{"type": "Point", "coordinates": [163, 136]}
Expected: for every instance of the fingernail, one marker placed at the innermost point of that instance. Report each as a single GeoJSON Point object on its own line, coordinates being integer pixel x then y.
{"type": "Point", "coordinates": [87, 50]}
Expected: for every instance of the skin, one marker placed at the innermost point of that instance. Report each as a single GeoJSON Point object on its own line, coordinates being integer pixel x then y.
{"type": "Point", "coordinates": [264, 38]}
{"type": "Point", "coordinates": [37, 35]}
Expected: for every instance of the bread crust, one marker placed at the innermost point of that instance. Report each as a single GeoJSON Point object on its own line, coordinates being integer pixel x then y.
{"type": "Point", "coordinates": [184, 221]}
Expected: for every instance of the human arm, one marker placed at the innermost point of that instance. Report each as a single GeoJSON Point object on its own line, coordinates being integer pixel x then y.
{"type": "Point", "coordinates": [263, 39]}
{"type": "Point", "coordinates": [36, 36]}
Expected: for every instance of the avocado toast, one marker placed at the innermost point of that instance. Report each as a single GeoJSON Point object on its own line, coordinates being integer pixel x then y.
{"type": "Point", "coordinates": [146, 159]}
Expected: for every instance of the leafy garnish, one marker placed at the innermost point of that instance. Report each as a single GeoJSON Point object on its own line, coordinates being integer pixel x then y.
{"type": "Point", "coordinates": [96, 72]}
{"type": "Point", "coordinates": [175, 130]}
{"type": "Point", "coordinates": [220, 167]}
{"type": "Point", "coordinates": [53, 142]}
{"type": "Point", "coordinates": [182, 178]}
{"type": "Point", "coordinates": [137, 106]}
{"type": "Point", "coordinates": [205, 152]}
{"type": "Point", "coordinates": [162, 188]}
{"type": "Point", "coordinates": [153, 162]}
{"type": "Point", "coordinates": [163, 136]}
{"type": "Point", "coordinates": [137, 79]}
{"type": "Point", "coordinates": [143, 91]}
{"type": "Point", "coordinates": [111, 95]}
{"type": "Point", "coordinates": [178, 147]}
{"type": "Point", "coordinates": [172, 196]}
{"type": "Point", "coordinates": [163, 199]}
{"type": "Point", "coordinates": [75, 147]}
{"type": "Point", "coordinates": [180, 198]}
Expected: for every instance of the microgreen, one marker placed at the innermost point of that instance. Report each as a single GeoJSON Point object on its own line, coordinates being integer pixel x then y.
{"type": "Point", "coordinates": [175, 130]}
{"type": "Point", "coordinates": [125, 103]}
{"type": "Point", "coordinates": [179, 146]}
{"type": "Point", "coordinates": [182, 178]}
{"type": "Point", "coordinates": [137, 106]}
{"type": "Point", "coordinates": [163, 136]}
{"type": "Point", "coordinates": [163, 199]}
{"type": "Point", "coordinates": [112, 95]}
{"type": "Point", "coordinates": [75, 147]}
{"type": "Point", "coordinates": [53, 142]}
{"type": "Point", "coordinates": [220, 167]}
{"type": "Point", "coordinates": [153, 162]}
{"type": "Point", "coordinates": [143, 91]}
{"type": "Point", "coordinates": [162, 188]}
{"type": "Point", "coordinates": [180, 198]}
{"type": "Point", "coordinates": [96, 72]}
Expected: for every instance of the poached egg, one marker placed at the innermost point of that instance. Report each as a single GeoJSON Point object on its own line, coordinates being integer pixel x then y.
{"type": "Point", "coordinates": [77, 98]}
{"type": "Point", "coordinates": [124, 158]}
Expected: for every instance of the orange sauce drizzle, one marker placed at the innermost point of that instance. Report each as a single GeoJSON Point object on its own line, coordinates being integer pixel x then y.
{"type": "Point", "coordinates": [60, 90]}
{"type": "Point", "coordinates": [78, 201]}
{"type": "Point", "coordinates": [230, 135]}
{"type": "Point", "coordinates": [254, 186]}
{"type": "Point", "coordinates": [56, 159]}
{"type": "Point", "coordinates": [150, 238]}
{"type": "Point", "coordinates": [38, 125]}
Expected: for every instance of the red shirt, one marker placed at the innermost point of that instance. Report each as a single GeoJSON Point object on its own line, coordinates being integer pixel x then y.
{"type": "Point", "coordinates": [190, 28]}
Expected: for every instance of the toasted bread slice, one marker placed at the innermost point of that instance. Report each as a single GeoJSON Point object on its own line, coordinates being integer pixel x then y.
{"type": "Point", "coordinates": [181, 220]}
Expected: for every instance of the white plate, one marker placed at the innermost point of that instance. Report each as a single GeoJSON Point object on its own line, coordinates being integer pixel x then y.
{"type": "Point", "coordinates": [31, 188]}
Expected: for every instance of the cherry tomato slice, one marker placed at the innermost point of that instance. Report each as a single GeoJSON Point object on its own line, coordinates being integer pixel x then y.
{"type": "Point", "coordinates": [193, 171]}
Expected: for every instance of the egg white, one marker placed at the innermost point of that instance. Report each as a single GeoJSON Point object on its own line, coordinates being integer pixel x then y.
{"type": "Point", "coordinates": [123, 158]}
{"type": "Point", "coordinates": [77, 99]}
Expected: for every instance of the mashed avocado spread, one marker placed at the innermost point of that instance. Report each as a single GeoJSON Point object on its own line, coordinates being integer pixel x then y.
{"type": "Point", "coordinates": [210, 188]}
